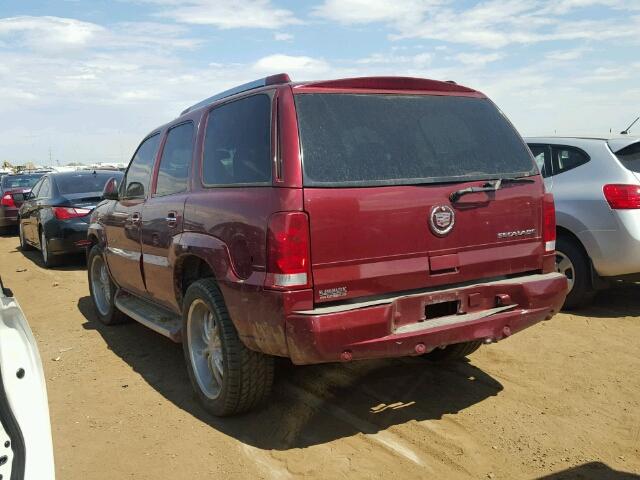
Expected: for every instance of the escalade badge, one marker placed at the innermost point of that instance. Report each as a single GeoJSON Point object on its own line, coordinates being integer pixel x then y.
{"type": "Point", "coordinates": [441, 220]}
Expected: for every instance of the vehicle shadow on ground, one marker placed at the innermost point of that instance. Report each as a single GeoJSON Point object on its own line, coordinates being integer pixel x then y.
{"type": "Point", "coordinates": [621, 300]}
{"type": "Point", "coordinates": [591, 471]}
{"type": "Point", "coordinates": [313, 404]}
{"type": "Point", "coordinates": [67, 263]}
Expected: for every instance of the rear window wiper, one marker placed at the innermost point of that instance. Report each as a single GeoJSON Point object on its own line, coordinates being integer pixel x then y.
{"type": "Point", "coordinates": [490, 186]}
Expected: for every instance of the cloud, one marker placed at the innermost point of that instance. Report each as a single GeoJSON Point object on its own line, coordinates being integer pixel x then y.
{"type": "Point", "coordinates": [226, 14]}
{"type": "Point", "coordinates": [478, 59]}
{"type": "Point", "coordinates": [49, 33]}
{"type": "Point", "coordinates": [369, 11]}
{"type": "Point", "coordinates": [489, 24]}
{"type": "Point", "coordinates": [282, 37]}
{"type": "Point", "coordinates": [301, 66]}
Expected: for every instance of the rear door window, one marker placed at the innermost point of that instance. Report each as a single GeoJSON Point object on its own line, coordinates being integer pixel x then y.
{"type": "Point", "coordinates": [542, 157]}
{"type": "Point", "coordinates": [140, 168]}
{"type": "Point", "coordinates": [45, 189]}
{"type": "Point", "coordinates": [362, 140]}
{"type": "Point", "coordinates": [567, 158]}
{"type": "Point", "coordinates": [176, 160]}
{"type": "Point", "coordinates": [630, 157]}
{"type": "Point", "coordinates": [237, 143]}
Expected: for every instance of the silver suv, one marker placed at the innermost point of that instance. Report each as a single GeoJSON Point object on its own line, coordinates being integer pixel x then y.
{"type": "Point", "coordinates": [596, 185]}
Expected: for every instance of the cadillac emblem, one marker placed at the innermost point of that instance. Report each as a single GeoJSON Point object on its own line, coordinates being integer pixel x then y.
{"type": "Point", "coordinates": [441, 220]}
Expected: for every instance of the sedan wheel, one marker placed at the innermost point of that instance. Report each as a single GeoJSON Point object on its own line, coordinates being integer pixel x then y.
{"type": "Point", "coordinates": [47, 258]}
{"type": "Point", "coordinates": [23, 242]}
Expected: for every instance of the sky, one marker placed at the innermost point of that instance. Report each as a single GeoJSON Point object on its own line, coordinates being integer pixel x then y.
{"type": "Point", "coordinates": [84, 81]}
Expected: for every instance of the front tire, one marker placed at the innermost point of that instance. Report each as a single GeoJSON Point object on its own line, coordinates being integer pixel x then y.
{"type": "Point", "coordinates": [24, 246]}
{"type": "Point", "coordinates": [102, 289]}
{"type": "Point", "coordinates": [572, 261]}
{"type": "Point", "coordinates": [450, 353]}
{"type": "Point", "coordinates": [227, 377]}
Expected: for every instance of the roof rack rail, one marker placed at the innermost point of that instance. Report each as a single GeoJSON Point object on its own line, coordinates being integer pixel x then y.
{"type": "Point", "coordinates": [263, 82]}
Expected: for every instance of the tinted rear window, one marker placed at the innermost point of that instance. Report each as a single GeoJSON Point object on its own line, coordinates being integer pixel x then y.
{"type": "Point", "coordinates": [359, 140]}
{"type": "Point", "coordinates": [630, 157]}
{"type": "Point", "coordinates": [72, 184]}
{"type": "Point", "coordinates": [19, 181]}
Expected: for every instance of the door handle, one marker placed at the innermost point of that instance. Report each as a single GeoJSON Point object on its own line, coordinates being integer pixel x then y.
{"type": "Point", "coordinates": [171, 219]}
{"type": "Point", "coordinates": [135, 218]}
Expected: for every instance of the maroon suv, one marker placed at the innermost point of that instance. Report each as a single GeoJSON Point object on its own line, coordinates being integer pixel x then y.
{"type": "Point", "coordinates": [326, 221]}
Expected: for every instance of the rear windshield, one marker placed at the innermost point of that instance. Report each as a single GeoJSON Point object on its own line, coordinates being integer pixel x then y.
{"type": "Point", "coordinates": [84, 183]}
{"type": "Point", "coordinates": [630, 157]}
{"type": "Point", "coordinates": [362, 140]}
{"type": "Point", "coordinates": [19, 181]}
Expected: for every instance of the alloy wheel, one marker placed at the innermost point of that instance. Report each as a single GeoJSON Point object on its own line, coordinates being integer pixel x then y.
{"type": "Point", "coordinates": [100, 285]}
{"type": "Point", "coordinates": [565, 266]}
{"type": "Point", "coordinates": [205, 348]}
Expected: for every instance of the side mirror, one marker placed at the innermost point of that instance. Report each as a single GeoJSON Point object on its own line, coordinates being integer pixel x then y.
{"type": "Point", "coordinates": [110, 190]}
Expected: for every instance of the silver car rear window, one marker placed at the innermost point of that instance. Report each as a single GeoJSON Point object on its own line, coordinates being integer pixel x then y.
{"type": "Point", "coordinates": [630, 157]}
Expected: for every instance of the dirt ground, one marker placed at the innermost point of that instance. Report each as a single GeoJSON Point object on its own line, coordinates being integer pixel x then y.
{"type": "Point", "coordinates": [560, 400]}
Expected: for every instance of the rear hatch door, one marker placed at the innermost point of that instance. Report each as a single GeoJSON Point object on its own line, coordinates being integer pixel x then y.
{"type": "Point", "coordinates": [379, 171]}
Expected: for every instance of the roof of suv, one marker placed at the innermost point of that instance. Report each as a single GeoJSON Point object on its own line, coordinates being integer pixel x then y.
{"type": "Point", "coordinates": [364, 83]}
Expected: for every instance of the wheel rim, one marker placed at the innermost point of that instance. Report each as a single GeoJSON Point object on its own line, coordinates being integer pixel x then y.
{"type": "Point", "coordinates": [564, 266]}
{"type": "Point", "coordinates": [205, 348]}
{"type": "Point", "coordinates": [100, 285]}
{"type": "Point", "coordinates": [43, 247]}
{"type": "Point", "coordinates": [21, 234]}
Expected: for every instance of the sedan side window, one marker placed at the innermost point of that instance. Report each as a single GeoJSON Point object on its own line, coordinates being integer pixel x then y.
{"type": "Point", "coordinates": [568, 158]}
{"type": "Point", "coordinates": [45, 189]}
{"type": "Point", "coordinates": [36, 189]}
{"type": "Point", "coordinates": [140, 168]}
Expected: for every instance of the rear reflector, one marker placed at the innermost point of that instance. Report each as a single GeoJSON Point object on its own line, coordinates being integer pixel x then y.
{"type": "Point", "coordinates": [549, 223]}
{"type": "Point", "coordinates": [7, 201]}
{"type": "Point", "coordinates": [65, 213]}
{"type": "Point", "coordinates": [288, 251]}
{"type": "Point", "coordinates": [622, 197]}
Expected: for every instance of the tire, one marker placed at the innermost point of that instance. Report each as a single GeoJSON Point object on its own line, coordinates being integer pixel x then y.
{"type": "Point", "coordinates": [457, 351]}
{"type": "Point", "coordinates": [227, 377]}
{"type": "Point", "coordinates": [24, 246]}
{"type": "Point", "coordinates": [102, 294]}
{"type": "Point", "coordinates": [47, 259]}
{"type": "Point", "coordinates": [573, 262]}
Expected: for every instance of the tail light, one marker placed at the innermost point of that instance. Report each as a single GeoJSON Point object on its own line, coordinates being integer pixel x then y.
{"type": "Point", "coordinates": [622, 197]}
{"type": "Point", "coordinates": [7, 201]}
{"type": "Point", "coordinates": [549, 223]}
{"type": "Point", "coordinates": [65, 213]}
{"type": "Point", "coordinates": [288, 251]}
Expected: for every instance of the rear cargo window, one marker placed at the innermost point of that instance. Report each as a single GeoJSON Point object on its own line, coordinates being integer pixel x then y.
{"type": "Point", "coordinates": [362, 140]}
{"type": "Point", "coordinates": [630, 157]}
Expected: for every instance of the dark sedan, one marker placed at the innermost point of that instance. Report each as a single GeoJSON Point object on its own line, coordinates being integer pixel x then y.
{"type": "Point", "coordinates": [55, 216]}
{"type": "Point", "coordinates": [13, 189]}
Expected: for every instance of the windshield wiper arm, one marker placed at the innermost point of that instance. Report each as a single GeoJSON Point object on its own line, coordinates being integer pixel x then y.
{"type": "Point", "coordinates": [487, 187]}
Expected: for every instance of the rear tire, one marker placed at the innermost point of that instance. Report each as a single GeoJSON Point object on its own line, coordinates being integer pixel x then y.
{"type": "Point", "coordinates": [457, 351]}
{"type": "Point", "coordinates": [47, 259]}
{"type": "Point", "coordinates": [227, 377]}
{"type": "Point", "coordinates": [572, 261]}
{"type": "Point", "coordinates": [102, 289]}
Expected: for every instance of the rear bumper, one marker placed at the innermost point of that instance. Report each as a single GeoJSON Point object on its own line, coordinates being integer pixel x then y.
{"type": "Point", "coordinates": [8, 217]}
{"type": "Point", "coordinates": [68, 237]}
{"type": "Point", "coordinates": [393, 327]}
